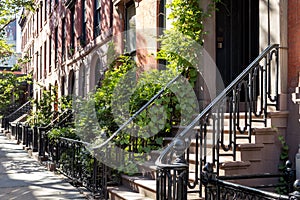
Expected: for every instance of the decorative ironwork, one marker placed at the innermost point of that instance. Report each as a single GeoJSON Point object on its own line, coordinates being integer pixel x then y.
{"type": "Point", "coordinates": [75, 161]}
{"type": "Point", "coordinates": [172, 182]}
{"type": "Point", "coordinates": [7, 111]}
{"type": "Point", "coordinates": [257, 89]}
{"type": "Point", "coordinates": [16, 114]}
{"type": "Point", "coordinates": [216, 188]}
{"type": "Point", "coordinates": [59, 121]}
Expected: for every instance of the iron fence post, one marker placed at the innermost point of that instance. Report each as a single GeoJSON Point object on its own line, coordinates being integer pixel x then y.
{"type": "Point", "coordinates": [207, 179]}
{"type": "Point", "coordinates": [41, 148]}
{"type": "Point", "coordinates": [182, 172]}
{"type": "Point", "coordinates": [289, 176]}
{"type": "Point", "coordinates": [34, 138]}
{"type": "Point", "coordinates": [23, 134]}
{"type": "Point", "coordinates": [296, 194]}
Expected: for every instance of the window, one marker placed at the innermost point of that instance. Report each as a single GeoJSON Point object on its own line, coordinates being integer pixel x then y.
{"type": "Point", "coordinates": [41, 62]}
{"type": "Point", "coordinates": [84, 20]}
{"type": "Point", "coordinates": [37, 21]}
{"type": "Point", "coordinates": [98, 73]}
{"type": "Point", "coordinates": [50, 51]}
{"type": "Point", "coordinates": [111, 13]}
{"type": "Point", "coordinates": [63, 40]}
{"type": "Point", "coordinates": [73, 29]}
{"type": "Point", "coordinates": [45, 10]}
{"type": "Point", "coordinates": [97, 17]}
{"type": "Point", "coordinates": [130, 28]}
{"type": "Point", "coordinates": [56, 96]}
{"type": "Point", "coordinates": [41, 14]}
{"type": "Point", "coordinates": [162, 26]}
{"type": "Point", "coordinates": [37, 66]}
{"type": "Point", "coordinates": [62, 89]}
{"type": "Point", "coordinates": [45, 56]}
{"type": "Point", "coordinates": [71, 83]}
{"type": "Point", "coordinates": [50, 6]}
{"type": "Point", "coordinates": [56, 47]}
{"type": "Point", "coordinates": [82, 84]}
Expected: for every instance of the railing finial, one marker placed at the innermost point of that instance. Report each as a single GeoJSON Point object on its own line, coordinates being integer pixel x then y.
{"type": "Point", "coordinates": [296, 194]}
{"type": "Point", "coordinates": [179, 148]}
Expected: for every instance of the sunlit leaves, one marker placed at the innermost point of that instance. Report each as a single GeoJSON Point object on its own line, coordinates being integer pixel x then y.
{"type": "Point", "coordinates": [9, 11]}
{"type": "Point", "coordinates": [10, 87]}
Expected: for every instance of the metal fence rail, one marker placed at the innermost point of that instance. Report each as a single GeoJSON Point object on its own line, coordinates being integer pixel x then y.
{"type": "Point", "coordinates": [16, 114]}
{"type": "Point", "coordinates": [74, 160]}
{"type": "Point", "coordinates": [216, 188]}
{"type": "Point", "coordinates": [208, 129]}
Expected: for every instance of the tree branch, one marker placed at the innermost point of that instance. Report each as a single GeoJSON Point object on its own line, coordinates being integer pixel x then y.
{"type": "Point", "coordinates": [6, 24]}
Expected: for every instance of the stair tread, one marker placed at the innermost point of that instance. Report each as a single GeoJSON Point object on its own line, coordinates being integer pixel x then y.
{"type": "Point", "coordinates": [126, 194]}
{"type": "Point", "coordinates": [142, 181]}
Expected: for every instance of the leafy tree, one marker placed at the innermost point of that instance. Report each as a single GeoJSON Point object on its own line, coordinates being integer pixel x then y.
{"type": "Point", "coordinates": [11, 87]}
{"type": "Point", "coordinates": [9, 10]}
{"type": "Point", "coordinates": [10, 84]}
{"type": "Point", "coordinates": [181, 44]}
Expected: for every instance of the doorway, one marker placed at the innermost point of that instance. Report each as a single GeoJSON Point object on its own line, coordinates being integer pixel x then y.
{"type": "Point", "coordinates": [237, 36]}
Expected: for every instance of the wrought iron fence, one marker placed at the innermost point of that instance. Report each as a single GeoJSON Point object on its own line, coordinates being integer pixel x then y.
{"type": "Point", "coordinates": [7, 111]}
{"type": "Point", "coordinates": [216, 188]}
{"type": "Point", "coordinates": [74, 160]}
{"type": "Point", "coordinates": [257, 87]}
{"type": "Point", "coordinates": [29, 136]}
{"type": "Point", "coordinates": [41, 132]}
{"type": "Point", "coordinates": [16, 114]}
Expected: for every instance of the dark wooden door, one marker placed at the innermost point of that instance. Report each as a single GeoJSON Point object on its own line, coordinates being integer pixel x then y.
{"type": "Point", "coordinates": [237, 32]}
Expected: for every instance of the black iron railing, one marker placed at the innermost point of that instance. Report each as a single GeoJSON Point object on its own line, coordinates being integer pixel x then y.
{"type": "Point", "coordinates": [60, 121]}
{"type": "Point", "coordinates": [118, 154]}
{"type": "Point", "coordinates": [7, 111]}
{"type": "Point", "coordinates": [220, 187]}
{"type": "Point", "coordinates": [257, 89]}
{"type": "Point", "coordinates": [16, 114]}
{"type": "Point", "coordinates": [73, 159]}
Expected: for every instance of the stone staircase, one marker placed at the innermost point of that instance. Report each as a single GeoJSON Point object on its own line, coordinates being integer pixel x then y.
{"type": "Point", "coordinates": [259, 156]}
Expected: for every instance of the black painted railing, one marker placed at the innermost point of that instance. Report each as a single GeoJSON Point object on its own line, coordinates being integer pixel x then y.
{"type": "Point", "coordinates": [220, 187]}
{"type": "Point", "coordinates": [60, 121]}
{"type": "Point", "coordinates": [256, 88]}
{"type": "Point", "coordinates": [16, 114]}
{"type": "Point", "coordinates": [76, 161]}
{"type": "Point", "coordinates": [118, 155]}
{"type": "Point", "coordinates": [7, 111]}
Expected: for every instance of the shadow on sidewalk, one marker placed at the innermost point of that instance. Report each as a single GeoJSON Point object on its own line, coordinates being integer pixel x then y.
{"type": "Point", "coordinates": [22, 178]}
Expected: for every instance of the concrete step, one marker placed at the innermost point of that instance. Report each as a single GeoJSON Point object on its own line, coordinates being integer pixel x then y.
{"type": "Point", "coordinates": [249, 159]}
{"type": "Point", "coordinates": [143, 185]}
{"type": "Point", "coordinates": [124, 193]}
{"type": "Point", "coordinates": [235, 167]}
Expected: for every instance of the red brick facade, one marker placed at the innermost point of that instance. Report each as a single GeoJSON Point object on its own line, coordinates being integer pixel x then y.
{"type": "Point", "coordinates": [293, 42]}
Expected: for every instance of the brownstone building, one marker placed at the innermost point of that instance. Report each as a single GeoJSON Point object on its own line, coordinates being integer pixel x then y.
{"type": "Point", "coordinates": [68, 43]}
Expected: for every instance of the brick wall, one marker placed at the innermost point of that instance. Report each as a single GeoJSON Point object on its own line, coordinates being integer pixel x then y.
{"type": "Point", "coordinates": [293, 42]}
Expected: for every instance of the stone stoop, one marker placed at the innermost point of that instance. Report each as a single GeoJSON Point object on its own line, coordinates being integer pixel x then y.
{"type": "Point", "coordinates": [138, 188]}
{"type": "Point", "coordinates": [232, 168]}
{"type": "Point", "coordinates": [261, 156]}
{"type": "Point", "coordinates": [252, 153]}
{"type": "Point", "coordinates": [134, 187]}
{"type": "Point", "coordinates": [271, 151]}
{"type": "Point", "coordinates": [124, 193]}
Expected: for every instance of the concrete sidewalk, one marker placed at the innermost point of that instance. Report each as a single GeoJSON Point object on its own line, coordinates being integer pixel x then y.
{"type": "Point", "coordinates": [23, 178]}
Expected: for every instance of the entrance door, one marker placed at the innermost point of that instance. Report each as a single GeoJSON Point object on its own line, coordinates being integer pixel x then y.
{"type": "Point", "coordinates": [237, 32]}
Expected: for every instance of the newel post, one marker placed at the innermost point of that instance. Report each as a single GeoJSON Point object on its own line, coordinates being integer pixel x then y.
{"type": "Point", "coordinates": [296, 194]}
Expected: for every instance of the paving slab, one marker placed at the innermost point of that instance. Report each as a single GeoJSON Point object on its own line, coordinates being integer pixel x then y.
{"type": "Point", "coordinates": [23, 178]}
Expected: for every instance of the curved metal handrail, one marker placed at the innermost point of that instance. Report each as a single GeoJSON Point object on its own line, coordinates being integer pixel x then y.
{"type": "Point", "coordinates": [19, 109]}
{"type": "Point", "coordinates": [117, 132]}
{"type": "Point", "coordinates": [56, 120]}
{"type": "Point", "coordinates": [185, 133]}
